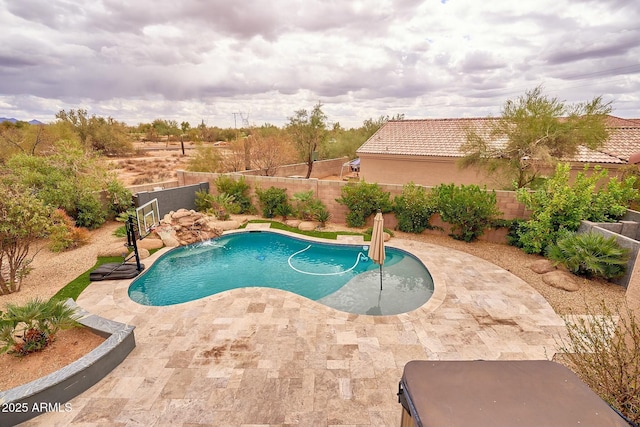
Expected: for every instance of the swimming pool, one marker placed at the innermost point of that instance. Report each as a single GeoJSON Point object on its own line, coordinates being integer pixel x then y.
{"type": "Point", "coordinates": [340, 276]}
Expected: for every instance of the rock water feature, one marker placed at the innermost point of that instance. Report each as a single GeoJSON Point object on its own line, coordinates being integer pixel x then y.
{"type": "Point", "coordinates": [179, 228]}
{"type": "Point", "coordinates": [185, 227]}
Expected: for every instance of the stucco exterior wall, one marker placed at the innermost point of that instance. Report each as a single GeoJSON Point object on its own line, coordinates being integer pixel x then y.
{"type": "Point", "coordinates": [428, 171]}
{"type": "Point", "coordinates": [433, 171]}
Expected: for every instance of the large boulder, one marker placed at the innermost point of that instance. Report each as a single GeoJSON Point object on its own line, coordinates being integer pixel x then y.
{"type": "Point", "coordinates": [150, 243]}
{"type": "Point", "coordinates": [294, 223]}
{"type": "Point", "coordinates": [561, 280]}
{"type": "Point", "coordinates": [114, 249]}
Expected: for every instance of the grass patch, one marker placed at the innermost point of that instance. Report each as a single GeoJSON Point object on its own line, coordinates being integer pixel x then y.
{"type": "Point", "coordinates": [79, 284]}
{"type": "Point", "coordinates": [331, 235]}
{"type": "Point", "coordinates": [120, 231]}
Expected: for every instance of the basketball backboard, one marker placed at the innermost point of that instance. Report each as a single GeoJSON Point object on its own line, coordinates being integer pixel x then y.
{"type": "Point", "coordinates": [148, 217]}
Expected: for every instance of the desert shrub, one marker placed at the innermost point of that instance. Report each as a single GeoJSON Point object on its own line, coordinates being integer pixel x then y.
{"type": "Point", "coordinates": [31, 327]}
{"type": "Point", "coordinates": [70, 178]}
{"type": "Point", "coordinates": [23, 220]}
{"type": "Point", "coordinates": [202, 201]}
{"type": "Point", "coordinates": [306, 206]}
{"type": "Point", "coordinates": [119, 198]}
{"type": "Point", "coordinates": [590, 254]}
{"type": "Point", "coordinates": [284, 210]}
{"type": "Point", "coordinates": [469, 209]}
{"type": "Point", "coordinates": [270, 199]}
{"type": "Point", "coordinates": [363, 199]}
{"type": "Point", "coordinates": [90, 212]}
{"type": "Point", "coordinates": [604, 351]}
{"type": "Point", "coordinates": [221, 205]}
{"type": "Point", "coordinates": [63, 233]}
{"type": "Point", "coordinates": [414, 208]}
{"type": "Point", "coordinates": [239, 189]}
{"type": "Point", "coordinates": [322, 216]}
{"type": "Point", "coordinates": [559, 206]}
{"type": "Point", "coordinates": [206, 159]}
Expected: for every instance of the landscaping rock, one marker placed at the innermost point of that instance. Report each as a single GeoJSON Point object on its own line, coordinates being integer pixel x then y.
{"type": "Point", "coordinates": [114, 249]}
{"type": "Point", "coordinates": [225, 225]}
{"type": "Point", "coordinates": [307, 225]}
{"type": "Point", "coordinates": [181, 213]}
{"type": "Point", "coordinates": [143, 253]}
{"type": "Point", "coordinates": [542, 266]}
{"type": "Point", "coordinates": [293, 223]}
{"type": "Point", "coordinates": [386, 236]}
{"type": "Point", "coordinates": [561, 280]}
{"type": "Point", "coordinates": [150, 243]}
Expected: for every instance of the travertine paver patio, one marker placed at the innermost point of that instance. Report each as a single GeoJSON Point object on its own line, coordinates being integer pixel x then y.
{"type": "Point", "coordinates": [261, 356]}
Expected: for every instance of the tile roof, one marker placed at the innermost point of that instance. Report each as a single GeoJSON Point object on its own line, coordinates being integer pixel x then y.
{"type": "Point", "coordinates": [444, 137]}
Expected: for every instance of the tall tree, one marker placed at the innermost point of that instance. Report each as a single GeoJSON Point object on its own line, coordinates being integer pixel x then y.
{"type": "Point", "coordinates": [533, 133]}
{"type": "Point", "coordinates": [308, 132]}
{"type": "Point", "coordinates": [23, 220]}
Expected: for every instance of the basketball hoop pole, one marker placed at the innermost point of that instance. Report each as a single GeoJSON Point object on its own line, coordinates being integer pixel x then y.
{"type": "Point", "coordinates": [131, 241]}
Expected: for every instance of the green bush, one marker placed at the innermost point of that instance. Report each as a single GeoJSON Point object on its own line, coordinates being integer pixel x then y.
{"type": "Point", "coordinates": [322, 216]}
{"type": "Point", "coordinates": [469, 209]}
{"type": "Point", "coordinates": [70, 178]}
{"type": "Point", "coordinates": [306, 206]}
{"type": "Point", "coordinates": [90, 212]}
{"type": "Point", "coordinates": [119, 198]}
{"type": "Point", "coordinates": [220, 205]}
{"type": "Point", "coordinates": [31, 327]}
{"type": "Point", "coordinates": [363, 199]}
{"type": "Point", "coordinates": [284, 210]}
{"type": "Point", "coordinates": [590, 254]}
{"type": "Point", "coordinates": [559, 206]}
{"type": "Point", "coordinates": [270, 199]}
{"type": "Point", "coordinates": [414, 208]}
{"type": "Point", "coordinates": [238, 189]}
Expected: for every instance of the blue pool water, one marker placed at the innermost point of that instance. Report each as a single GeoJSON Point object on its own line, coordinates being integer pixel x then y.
{"type": "Point", "coordinates": [341, 276]}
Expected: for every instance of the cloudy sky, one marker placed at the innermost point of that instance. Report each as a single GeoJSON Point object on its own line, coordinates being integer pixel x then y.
{"type": "Point", "coordinates": [194, 60]}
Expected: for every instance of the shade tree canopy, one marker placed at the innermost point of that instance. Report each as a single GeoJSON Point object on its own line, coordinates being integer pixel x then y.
{"type": "Point", "coordinates": [533, 133]}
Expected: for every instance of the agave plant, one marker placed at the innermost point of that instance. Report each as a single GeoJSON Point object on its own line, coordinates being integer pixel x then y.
{"type": "Point", "coordinates": [590, 254]}
{"type": "Point", "coordinates": [31, 327]}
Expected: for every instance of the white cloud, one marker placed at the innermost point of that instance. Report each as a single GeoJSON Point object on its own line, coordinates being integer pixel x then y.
{"type": "Point", "coordinates": [195, 60]}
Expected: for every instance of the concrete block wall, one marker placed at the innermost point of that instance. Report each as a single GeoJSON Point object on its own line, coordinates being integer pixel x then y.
{"type": "Point", "coordinates": [321, 168]}
{"type": "Point", "coordinates": [153, 186]}
{"type": "Point", "coordinates": [633, 288]}
{"type": "Point", "coordinates": [328, 191]}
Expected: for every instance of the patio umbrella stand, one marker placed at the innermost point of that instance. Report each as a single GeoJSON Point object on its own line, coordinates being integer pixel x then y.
{"type": "Point", "coordinates": [376, 249]}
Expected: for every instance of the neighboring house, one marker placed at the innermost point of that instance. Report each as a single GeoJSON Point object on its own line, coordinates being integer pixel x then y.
{"type": "Point", "coordinates": [427, 151]}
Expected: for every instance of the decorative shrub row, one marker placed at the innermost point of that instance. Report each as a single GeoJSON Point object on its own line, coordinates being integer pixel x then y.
{"type": "Point", "coordinates": [469, 209]}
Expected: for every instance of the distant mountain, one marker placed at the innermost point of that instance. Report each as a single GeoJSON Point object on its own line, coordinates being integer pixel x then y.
{"type": "Point", "coordinates": [12, 120]}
